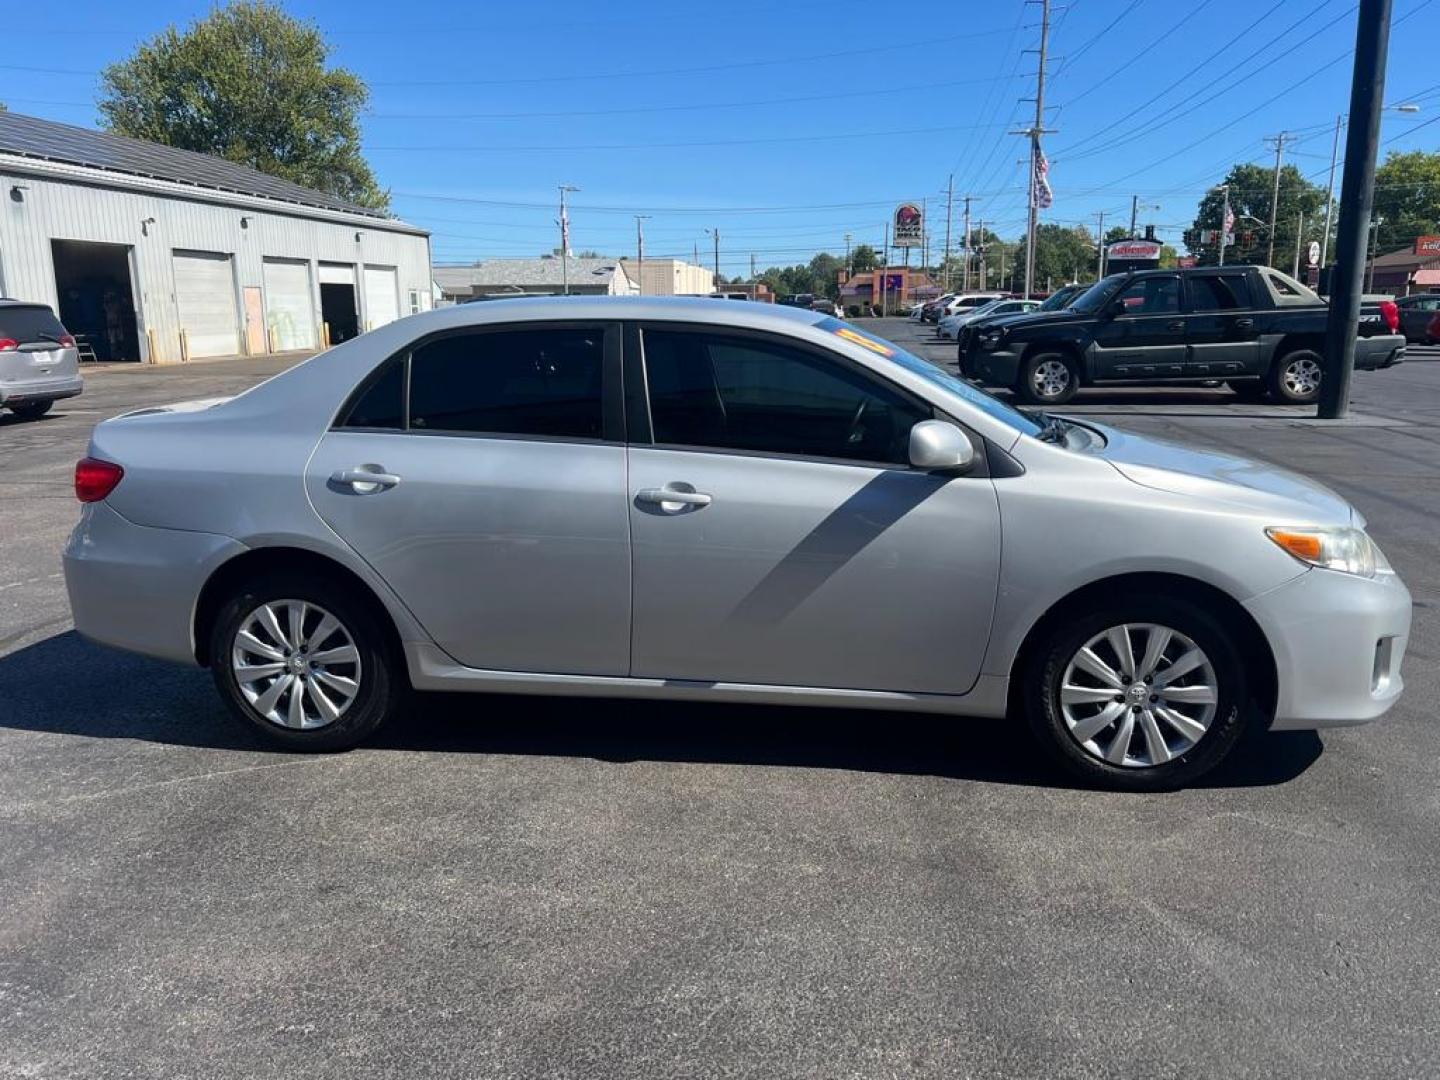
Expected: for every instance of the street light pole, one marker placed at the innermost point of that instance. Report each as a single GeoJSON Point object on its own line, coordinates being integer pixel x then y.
{"type": "Point", "coordinates": [945, 261]}
{"type": "Point", "coordinates": [1099, 248]}
{"type": "Point", "coordinates": [715, 233]}
{"type": "Point", "coordinates": [640, 250]}
{"type": "Point", "coordinates": [1330, 191]}
{"type": "Point", "coordinates": [1224, 222]}
{"type": "Point", "coordinates": [1357, 196]}
{"type": "Point", "coordinates": [1274, 197]}
{"type": "Point", "coordinates": [565, 237]}
{"type": "Point", "coordinates": [965, 274]}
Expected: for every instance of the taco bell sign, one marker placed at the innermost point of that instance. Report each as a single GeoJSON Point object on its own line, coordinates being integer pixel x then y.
{"type": "Point", "coordinates": [909, 226]}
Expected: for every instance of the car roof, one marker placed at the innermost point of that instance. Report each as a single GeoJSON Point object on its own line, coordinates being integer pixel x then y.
{"type": "Point", "coordinates": [669, 308]}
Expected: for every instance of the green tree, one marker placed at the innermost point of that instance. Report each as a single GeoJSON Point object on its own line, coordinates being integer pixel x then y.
{"type": "Point", "coordinates": [1116, 233]}
{"type": "Point", "coordinates": [1251, 187]}
{"type": "Point", "coordinates": [1407, 197]}
{"type": "Point", "coordinates": [1062, 254]}
{"type": "Point", "coordinates": [248, 83]}
{"type": "Point", "coordinates": [864, 257]}
{"type": "Point", "coordinates": [824, 270]}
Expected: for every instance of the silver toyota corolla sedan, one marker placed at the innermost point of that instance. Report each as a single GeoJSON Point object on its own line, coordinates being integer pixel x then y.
{"type": "Point", "coordinates": [682, 499]}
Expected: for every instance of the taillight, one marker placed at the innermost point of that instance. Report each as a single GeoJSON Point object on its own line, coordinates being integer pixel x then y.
{"type": "Point", "coordinates": [95, 479]}
{"type": "Point", "coordinates": [68, 340]}
{"type": "Point", "coordinates": [8, 343]}
{"type": "Point", "coordinates": [1390, 312]}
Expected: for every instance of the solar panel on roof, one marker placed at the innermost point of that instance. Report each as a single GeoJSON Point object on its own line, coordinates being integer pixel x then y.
{"type": "Point", "coordinates": [30, 136]}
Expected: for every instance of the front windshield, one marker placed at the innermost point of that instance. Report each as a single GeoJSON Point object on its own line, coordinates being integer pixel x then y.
{"type": "Point", "coordinates": [1056, 301]}
{"type": "Point", "coordinates": [1093, 298]}
{"type": "Point", "coordinates": [990, 406]}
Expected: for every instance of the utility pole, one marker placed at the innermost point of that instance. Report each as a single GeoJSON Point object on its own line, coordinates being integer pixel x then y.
{"type": "Point", "coordinates": [1099, 248]}
{"type": "Point", "coordinates": [984, 284]}
{"type": "Point", "coordinates": [752, 266]}
{"type": "Point", "coordinates": [1275, 195]}
{"type": "Point", "coordinates": [695, 253]}
{"type": "Point", "coordinates": [1299, 234]}
{"type": "Point", "coordinates": [1224, 223]}
{"type": "Point", "coordinates": [949, 205]}
{"type": "Point", "coordinates": [565, 237]}
{"type": "Point", "coordinates": [849, 270]}
{"type": "Point", "coordinates": [1036, 154]}
{"type": "Point", "coordinates": [716, 234]}
{"type": "Point", "coordinates": [1330, 191]}
{"type": "Point", "coordinates": [640, 249]}
{"type": "Point", "coordinates": [965, 277]}
{"type": "Point", "coordinates": [1375, 224]}
{"type": "Point", "coordinates": [884, 277]}
{"type": "Point", "coordinates": [924, 234]}
{"type": "Point", "coordinates": [1134, 213]}
{"type": "Point", "coordinates": [1357, 196]}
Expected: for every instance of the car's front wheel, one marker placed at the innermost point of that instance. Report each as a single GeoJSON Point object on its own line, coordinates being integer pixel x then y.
{"type": "Point", "coordinates": [301, 661]}
{"type": "Point", "coordinates": [1144, 694]}
{"type": "Point", "coordinates": [1047, 379]}
{"type": "Point", "coordinates": [1295, 377]}
{"type": "Point", "coordinates": [32, 410]}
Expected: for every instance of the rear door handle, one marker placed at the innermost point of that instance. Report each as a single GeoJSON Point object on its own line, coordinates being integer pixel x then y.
{"type": "Point", "coordinates": [1244, 324]}
{"type": "Point", "coordinates": [365, 479]}
{"type": "Point", "coordinates": [661, 496]}
{"type": "Point", "coordinates": [1178, 324]}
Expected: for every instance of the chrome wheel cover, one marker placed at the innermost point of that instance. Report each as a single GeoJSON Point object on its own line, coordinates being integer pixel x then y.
{"type": "Point", "coordinates": [1051, 378]}
{"type": "Point", "coordinates": [1138, 695]}
{"type": "Point", "coordinates": [296, 664]}
{"type": "Point", "coordinates": [1302, 377]}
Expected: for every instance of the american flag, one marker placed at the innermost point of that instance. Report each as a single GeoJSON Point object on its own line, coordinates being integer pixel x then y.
{"type": "Point", "coordinates": [1229, 226]}
{"type": "Point", "coordinates": [564, 230]}
{"type": "Point", "coordinates": [1044, 197]}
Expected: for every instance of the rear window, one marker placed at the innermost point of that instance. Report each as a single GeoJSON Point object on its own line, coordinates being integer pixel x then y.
{"type": "Point", "coordinates": [24, 323]}
{"type": "Point", "coordinates": [1218, 293]}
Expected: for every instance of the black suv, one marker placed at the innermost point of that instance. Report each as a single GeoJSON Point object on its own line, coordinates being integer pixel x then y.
{"type": "Point", "coordinates": [1259, 330]}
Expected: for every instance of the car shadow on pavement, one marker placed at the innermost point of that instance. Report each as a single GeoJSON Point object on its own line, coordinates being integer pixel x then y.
{"type": "Point", "coordinates": [65, 685]}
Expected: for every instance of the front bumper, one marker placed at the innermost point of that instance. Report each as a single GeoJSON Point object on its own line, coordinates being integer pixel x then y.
{"type": "Point", "coordinates": [136, 587]}
{"type": "Point", "coordinates": [52, 389]}
{"type": "Point", "coordinates": [997, 367]}
{"type": "Point", "coordinates": [1338, 640]}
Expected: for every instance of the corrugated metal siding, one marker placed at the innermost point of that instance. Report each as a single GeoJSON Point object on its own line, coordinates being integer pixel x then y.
{"type": "Point", "coordinates": [52, 209]}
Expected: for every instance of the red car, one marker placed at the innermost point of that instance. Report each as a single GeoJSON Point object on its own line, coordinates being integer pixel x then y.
{"type": "Point", "coordinates": [1433, 330]}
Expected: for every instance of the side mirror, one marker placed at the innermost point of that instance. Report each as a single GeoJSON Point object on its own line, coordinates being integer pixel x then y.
{"type": "Point", "coordinates": [938, 446]}
{"type": "Point", "coordinates": [1114, 308]}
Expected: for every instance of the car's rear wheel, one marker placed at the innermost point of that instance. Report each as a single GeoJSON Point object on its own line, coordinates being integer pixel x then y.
{"type": "Point", "coordinates": [32, 410]}
{"type": "Point", "coordinates": [302, 662]}
{"type": "Point", "coordinates": [1145, 694]}
{"type": "Point", "coordinates": [1295, 377]}
{"type": "Point", "coordinates": [1047, 379]}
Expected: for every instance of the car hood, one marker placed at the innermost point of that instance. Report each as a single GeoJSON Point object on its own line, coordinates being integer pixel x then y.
{"type": "Point", "coordinates": [1218, 477]}
{"type": "Point", "coordinates": [1027, 318]}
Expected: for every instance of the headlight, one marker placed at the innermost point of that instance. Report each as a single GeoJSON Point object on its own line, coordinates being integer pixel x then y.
{"type": "Point", "coordinates": [1351, 551]}
{"type": "Point", "coordinates": [990, 339]}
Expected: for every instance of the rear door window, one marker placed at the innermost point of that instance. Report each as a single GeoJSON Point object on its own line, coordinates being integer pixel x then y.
{"type": "Point", "coordinates": [26, 323]}
{"type": "Point", "coordinates": [1219, 292]}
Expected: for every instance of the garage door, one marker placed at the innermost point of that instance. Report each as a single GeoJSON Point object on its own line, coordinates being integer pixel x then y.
{"type": "Point", "coordinates": [205, 295]}
{"type": "Point", "coordinates": [382, 296]}
{"type": "Point", "coordinates": [289, 307]}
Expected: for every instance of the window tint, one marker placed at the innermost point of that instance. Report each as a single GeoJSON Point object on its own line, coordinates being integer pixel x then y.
{"type": "Point", "coordinates": [1218, 293]}
{"type": "Point", "coordinates": [383, 404]}
{"type": "Point", "coordinates": [1152, 296]}
{"type": "Point", "coordinates": [26, 323]}
{"type": "Point", "coordinates": [750, 395]}
{"type": "Point", "coordinates": [1281, 286]}
{"type": "Point", "coordinates": [512, 382]}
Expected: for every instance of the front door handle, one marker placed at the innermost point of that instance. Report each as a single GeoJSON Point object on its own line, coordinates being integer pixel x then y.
{"type": "Point", "coordinates": [365, 479]}
{"type": "Point", "coordinates": [672, 496]}
{"type": "Point", "coordinates": [1178, 324]}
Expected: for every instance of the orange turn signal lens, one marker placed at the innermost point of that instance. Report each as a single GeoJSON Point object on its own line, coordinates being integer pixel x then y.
{"type": "Point", "coordinates": [1307, 546]}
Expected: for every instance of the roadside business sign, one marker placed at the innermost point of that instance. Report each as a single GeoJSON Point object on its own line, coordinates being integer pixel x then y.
{"type": "Point", "coordinates": [1133, 249]}
{"type": "Point", "coordinates": [1185, 262]}
{"type": "Point", "coordinates": [1312, 253]}
{"type": "Point", "coordinates": [1427, 245]}
{"type": "Point", "coordinates": [909, 226]}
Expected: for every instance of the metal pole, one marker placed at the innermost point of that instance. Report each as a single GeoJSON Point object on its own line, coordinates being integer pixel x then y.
{"type": "Point", "coordinates": [565, 237]}
{"type": "Point", "coordinates": [1134, 213]}
{"type": "Point", "coordinates": [884, 266]}
{"type": "Point", "coordinates": [1275, 198]}
{"type": "Point", "coordinates": [1330, 192]}
{"type": "Point", "coordinates": [949, 214]}
{"type": "Point", "coordinates": [1035, 151]}
{"type": "Point", "coordinates": [965, 277]}
{"type": "Point", "coordinates": [849, 270]}
{"type": "Point", "coordinates": [1100, 248]}
{"type": "Point", "coordinates": [1224, 217]}
{"type": "Point", "coordinates": [1370, 263]}
{"type": "Point", "coordinates": [1357, 193]}
{"type": "Point", "coordinates": [1299, 232]}
{"type": "Point", "coordinates": [716, 234]}
{"type": "Point", "coordinates": [640, 249]}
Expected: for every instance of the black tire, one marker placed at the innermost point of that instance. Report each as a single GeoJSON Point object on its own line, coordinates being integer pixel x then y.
{"type": "Point", "coordinates": [1234, 710]}
{"type": "Point", "coordinates": [1249, 389]}
{"type": "Point", "coordinates": [1033, 382]}
{"type": "Point", "coordinates": [1290, 380]}
{"type": "Point", "coordinates": [383, 684]}
{"type": "Point", "coordinates": [32, 410]}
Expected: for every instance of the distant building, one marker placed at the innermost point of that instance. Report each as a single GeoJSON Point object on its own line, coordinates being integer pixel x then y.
{"type": "Point", "coordinates": [750, 290]}
{"type": "Point", "coordinates": [671, 277]}
{"type": "Point", "coordinates": [545, 276]}
{"type": "Point", "coordinates": [156, 254]}
{"type": "Point", "coordinates": [1416, 270]}
{"type": "Point", "coordinates": [901, 286]}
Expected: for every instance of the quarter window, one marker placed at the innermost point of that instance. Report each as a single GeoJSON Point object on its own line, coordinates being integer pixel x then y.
{"type": "Point", "coordinates": [1224, 292]}
{"type": "Point", "coordinates": [383, 404]}
{"type": "Point", "coordinates": [759, 396]}
{"type": "Point", "coordinates": [510, 382]}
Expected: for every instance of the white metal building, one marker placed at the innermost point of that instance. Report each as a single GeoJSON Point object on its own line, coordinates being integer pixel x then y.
{"type": "Point", "coordinates": [163, 255]}
{"type": "Point", "coordinates": [671, 277]}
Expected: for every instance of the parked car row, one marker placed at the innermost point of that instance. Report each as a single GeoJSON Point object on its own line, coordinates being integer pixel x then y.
{"type": "Point", "coordinates": [949, 326]}
{"type": "Point", "coordinates": [1255, 328]}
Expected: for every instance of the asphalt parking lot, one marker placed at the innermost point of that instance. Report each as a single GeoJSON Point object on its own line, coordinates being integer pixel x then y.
{"type": "Point", "coordinates": [580, 888]}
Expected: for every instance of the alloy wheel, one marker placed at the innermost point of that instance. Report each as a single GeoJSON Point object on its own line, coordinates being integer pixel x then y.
{"type": "Point", "coordinates": [1302, 377]}
{"type": "Point", "coordinates": [1051, 378]}
{"type": "Point", "coordinates": [296, 664]}
{"type": "Point", "coordinates": [1138, 695]}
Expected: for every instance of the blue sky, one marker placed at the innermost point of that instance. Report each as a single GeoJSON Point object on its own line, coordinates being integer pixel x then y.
{"type": "Point", "coordinates": [786, 126]}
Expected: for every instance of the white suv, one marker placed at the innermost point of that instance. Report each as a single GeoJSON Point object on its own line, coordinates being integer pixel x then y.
{"type": "Point", "coordinates": [39, 363]}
